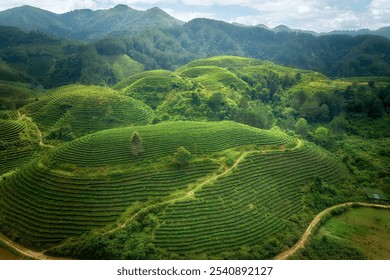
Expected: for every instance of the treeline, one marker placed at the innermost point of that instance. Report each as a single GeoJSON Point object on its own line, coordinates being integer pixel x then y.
{"type": "Point", "coordinates": [43, 60]}
{"type": "Point", "coordinates": [53, 62]}
{"type": "Point", "coordinates": [333, 55]}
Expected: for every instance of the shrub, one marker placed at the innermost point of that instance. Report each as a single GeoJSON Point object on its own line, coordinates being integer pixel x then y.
{"type": "Point", "coordinates": [182, 156]}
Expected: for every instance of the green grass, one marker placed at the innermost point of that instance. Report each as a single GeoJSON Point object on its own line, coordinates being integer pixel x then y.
{"type": "Point", "coordinates": [363, 228]}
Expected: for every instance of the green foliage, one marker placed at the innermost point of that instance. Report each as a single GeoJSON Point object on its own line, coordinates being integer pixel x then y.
{"type": "Point", "coordinates": [301, 127]}
{"type": "Point", "coordinates": [182, 156]}
{"type": "Point", "coordinates": [62, 133]}
{"type": "Point", "coordinates": [339, 125]}
{"type": "Point", "coordinates": [119, 179]}
{"type": "Point", "coordinates": [321, 136]}
{"type": "Point", "coordinates": [236, 200]}
{"type": "Point", "coordinates": [136, 144]}
{"type": "Point", "coordinates": [105, 179]}
{"type": "Point", "coordinates": [111, 47]}
{"type": "Point", "coordinates": [327, 248]}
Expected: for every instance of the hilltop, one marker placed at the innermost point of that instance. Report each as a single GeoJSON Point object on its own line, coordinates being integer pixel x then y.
{"type": "Point", "coordinates": [73, 111]}
{"type": "Point", "coordinates": [96, 182]}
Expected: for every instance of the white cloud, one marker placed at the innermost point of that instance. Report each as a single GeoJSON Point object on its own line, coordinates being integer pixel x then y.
{"type": "Point", "coordinates": [317, 15]}
{"type": "Point", "coordinates": [187, 16]}
{"type": "Point", "coordinates": [380, 11]}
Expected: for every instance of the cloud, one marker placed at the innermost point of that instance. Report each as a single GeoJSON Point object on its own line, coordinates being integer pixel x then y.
{"type": "Point", "coordinates": [187, 16]}
{"type": "Point", "coordinates": [317, 15]}
{"type": "Point", "coordinates": [380, 11]}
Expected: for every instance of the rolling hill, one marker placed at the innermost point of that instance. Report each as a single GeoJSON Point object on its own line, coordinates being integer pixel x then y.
{"type": "Point", "coordinates": [218, 159]}
{"type": "Point", "coordinates": [84, 109]}
{"type": "Point", "coordinates": [252, 182]}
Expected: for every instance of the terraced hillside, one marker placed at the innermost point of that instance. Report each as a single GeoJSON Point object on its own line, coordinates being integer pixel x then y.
{"type": "Point", "coordinates": [17, 143]}
{"type": "Point", "coordinates": [86, 109]}
{"type": "Point", "coordinates": [234, 88]}
{"type": "Point", "coordinates": [247, 206]}
{"type": "Point", "coordinates": [241, 186]}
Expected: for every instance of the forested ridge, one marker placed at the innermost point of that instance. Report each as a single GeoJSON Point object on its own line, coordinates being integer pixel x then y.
{"type": "Point", "coordinates": [28, 54]}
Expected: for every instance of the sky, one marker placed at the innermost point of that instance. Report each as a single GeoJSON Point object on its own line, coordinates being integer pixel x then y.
{"type": "Point", "coordinates": [314, 15]}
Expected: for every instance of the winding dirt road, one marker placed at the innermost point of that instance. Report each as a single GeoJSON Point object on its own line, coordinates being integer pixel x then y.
{"type": "Point", "coordinates": [26, 252]}
{"type": "Point", "coordinates": [282, 256]}
{"type": "Point", "coordinates": [301, 243]}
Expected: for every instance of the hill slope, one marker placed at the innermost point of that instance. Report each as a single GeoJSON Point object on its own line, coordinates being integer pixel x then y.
{"type": "Point", "coordinates": [96, 182]}
{"type": "Point", "coordinates": [84, 109]}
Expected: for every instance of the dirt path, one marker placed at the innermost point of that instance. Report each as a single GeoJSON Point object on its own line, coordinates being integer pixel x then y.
{"type": "Point", "coordinates": [301, 243]}
{"type": "Point", "coordinates": [39, 132]}
{"type": "Point", "coordinates": [284, 255]}
{"type": "Point", "coordinates": [187, 195]}
{"type": "Point", "coordinates": [26, 252]}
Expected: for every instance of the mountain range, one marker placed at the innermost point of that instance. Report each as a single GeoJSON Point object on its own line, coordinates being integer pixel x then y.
{"type": "Point", "coordinates": [104, 46]}
{"type": "Point", "coordinates": [86, 24]}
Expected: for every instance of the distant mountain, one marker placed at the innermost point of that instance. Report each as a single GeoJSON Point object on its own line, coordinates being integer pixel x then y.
{"type": "Point", "coordinates": [120, 20]}
{"type": "Point", "coordinates": [87, 24]}
{"type": "Point", "coordinates": [126, 41]}
{"type": "Point", "coordinates": [384, 32]}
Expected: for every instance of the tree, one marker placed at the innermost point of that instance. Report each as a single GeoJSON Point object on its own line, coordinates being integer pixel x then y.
{"type": "Point", "coordinates": [301, 127]}
{"type": "Point", "coordinates": [182, 156]}
{"type": "Point", "coordinates": [339, 124]}
{"type": "Point", "coordinates": [136, 144]}
{"type": "Point", "coordinates": [321, 135]}
{"type": "Point", "coordinates": [216, 101]}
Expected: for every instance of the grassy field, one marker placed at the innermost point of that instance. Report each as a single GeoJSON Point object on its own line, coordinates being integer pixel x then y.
{"type": "Point", "coordinates": [361, 233]}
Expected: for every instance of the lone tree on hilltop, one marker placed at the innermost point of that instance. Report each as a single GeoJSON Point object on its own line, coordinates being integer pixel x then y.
{"type": "Point", "coordinates": [182, 156]}
{"type": "Point", "coordinates": [136, 144]}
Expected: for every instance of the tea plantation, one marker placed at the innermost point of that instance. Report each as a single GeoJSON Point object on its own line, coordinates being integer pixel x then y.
{"type": "Point", "coordinates": [85, 109]}
{"type": "Point", "coordinates": [93, 181]}
{"type": "Point", "coordinates": [223, 158]}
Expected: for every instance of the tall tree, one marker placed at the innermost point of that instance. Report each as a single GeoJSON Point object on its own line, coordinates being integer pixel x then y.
{"type": "Point", "coordinates": [136, 144]}
{"type": "Point", "coordinates": [301, 127]}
